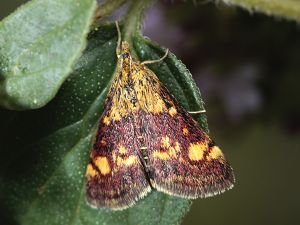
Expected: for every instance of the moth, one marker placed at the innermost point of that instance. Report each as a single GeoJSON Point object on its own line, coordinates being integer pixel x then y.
{"type": "Point", "coordinates": [146, 140]}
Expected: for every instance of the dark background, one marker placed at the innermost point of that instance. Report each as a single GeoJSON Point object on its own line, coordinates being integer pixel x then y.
{"type": "Point", "coordinates": [247, 67]}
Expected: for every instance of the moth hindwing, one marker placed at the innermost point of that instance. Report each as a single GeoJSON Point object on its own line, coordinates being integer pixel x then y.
{"type": "Point", "coordinates": [146, 140]}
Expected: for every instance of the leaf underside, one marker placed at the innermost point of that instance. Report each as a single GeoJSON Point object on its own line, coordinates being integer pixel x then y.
{"type": "Point", "coordinates": [45, 151]}
{"type": "Point", "coordinates": [289, 9]}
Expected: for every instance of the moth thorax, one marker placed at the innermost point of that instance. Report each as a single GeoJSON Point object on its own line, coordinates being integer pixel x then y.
{"type": "Point", "coordinates": [125, 50]}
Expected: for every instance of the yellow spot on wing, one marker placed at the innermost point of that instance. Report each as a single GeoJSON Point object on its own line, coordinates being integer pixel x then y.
{"type": "Point", "coordinates": [196, 150]}
{"type": "Point", "coordinates": [170, 150]}
{"type": "Point", "coordinates": [90, 171]}
{"type": "Point", "coordinates": [177, 146]}
{"type": "Point", "coordinates": [165, 142]}
{"type": "Point", "coordinates": [113, 115]}
{"type": "Point", "coordinates": [106, 120]}
{"type": "Point", "coordinates": [159, 105]}
{"type": "Point", "coordinates": [161, 155]}
{"type": "Point", "coordinates": [128, 161]}
{"type": "Point", "coordinates": [172, 111]}
{"type": "Point", "coordinates": [185, 131]}
{"type": "Point", "coordinates": [103, 141]}
{"type": "Point", "coordinates": [215, 153]}
{"type": "Point", "coordinates": [102, 164]}
{"type": "Point", "coordinates": [122, 149]}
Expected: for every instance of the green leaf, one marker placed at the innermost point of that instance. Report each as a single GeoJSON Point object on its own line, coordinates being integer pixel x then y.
{"type": "Point", "coordinates": [39, 43]}
{"type": "Point", "coordinates": [45, 151]}
{"type": "Point", "coordinates": [289, 9]}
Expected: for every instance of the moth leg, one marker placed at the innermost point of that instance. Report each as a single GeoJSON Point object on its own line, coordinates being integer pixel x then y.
{"type": "Point", "coordinates": [197, 112]}
{"type": "Point", "coordinates": [156, 60]}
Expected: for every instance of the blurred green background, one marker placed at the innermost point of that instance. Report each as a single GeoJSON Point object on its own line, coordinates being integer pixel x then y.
{"type": "Point", "coordinates": [247, 66]}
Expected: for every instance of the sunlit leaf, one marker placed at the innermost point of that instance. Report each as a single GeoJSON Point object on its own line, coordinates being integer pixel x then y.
{"type": "Point", "coordinates": [39, 43]}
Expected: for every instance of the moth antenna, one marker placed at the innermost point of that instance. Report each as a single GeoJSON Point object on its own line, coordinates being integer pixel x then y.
{"type": "Point", "coordinates": [118, 49]}
{"type": "Point", "coordinates": [156, 60]}
{"type": "Point", "coordinates": [197, 112]}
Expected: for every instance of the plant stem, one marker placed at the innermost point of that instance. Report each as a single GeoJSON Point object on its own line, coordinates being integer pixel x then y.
{"type": "Point", "coordinates": [108, 7]}
{"type": "Point", "coordinates": [134, 17]}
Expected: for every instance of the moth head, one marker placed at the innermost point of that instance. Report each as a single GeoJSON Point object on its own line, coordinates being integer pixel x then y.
{"type": "Point", "coordinates": [125, 52]}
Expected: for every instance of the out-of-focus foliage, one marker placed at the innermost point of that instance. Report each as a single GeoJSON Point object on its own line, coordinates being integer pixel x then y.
{"type": "Point", "coordinates": [289, 9]}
